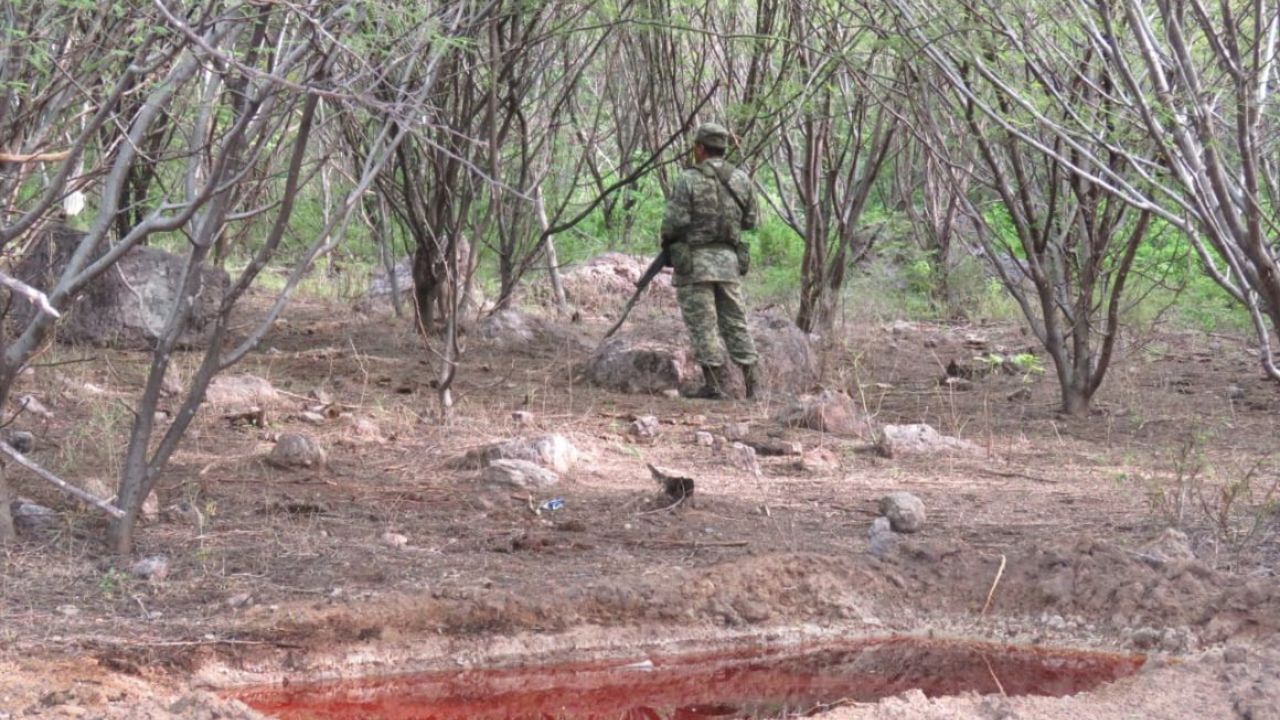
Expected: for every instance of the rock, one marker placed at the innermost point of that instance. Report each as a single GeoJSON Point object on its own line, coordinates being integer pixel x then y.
{"type": "Point", "coordinates": [704, 439]}
{"type": "Point", "coordinates": [1022, 394]}
{"type": "Point", "coordinates": [644, 428]}
{"type": "Point", "coordinates": [881, 536]}
{"type": "Point", "coordinates": [240, 391]}
{"type": "Point", "coordinates": [32, 519]}
{"type": "Point", "coordinates": [920, 439]}
{"type": "Point", "coordinates": [771, 447]}
{"type": "Point", "coordinates": [602, 285]}
{"type": "Point", "coordinates": [153, 568]}
{"type": "Point", "coordinates": [1146, 638]}
{"type": "Point", "coordinates": [312, 418]}
{"type": "Point", "coordinates": [1235, 392]}
{"type": "Point", "coordinates": [240, 600]}
{"type": "Point", "coordinates": [829, 412]}
{"type": "Point", "coordinates": [550, 451]}
{"type": "Point", "coordinates": [958, 384]}
{"type": "Point", "coordinates": [521, 474]}
{"type": "Point", "coordinates": [364, 429]}
{"type": "Point", "coordinates": [394, 540]}
{"type": "Point", "coordinates": [127, 307]}
{"type": "Point", "coordinates": [631, 364]}
{"type": "Point", "coordinates": [513, 328]}
{"type": "Point", "coordinates": [21, 440]}
{"type": "Point", "coordinates": [819, 461]}
{"type": "Point", "coordinates": [29, 404]}
{"type": "Point", "coordinates": [1173, 544]}
{"type": "Point", "coordinates": [654, 358]}
{"type": "Point", "coordinates": [735, 430]}
{"type": "Point", "coordinates": [744, 456]}
{"type": "Point", "coordinates": [904, 511]}
{"type": "Point", "coordinates": [522, 417]}
{"type": "Point", "coordinates": [296, 450]}
{"type": "Point", "coordinates": [1235, 655]}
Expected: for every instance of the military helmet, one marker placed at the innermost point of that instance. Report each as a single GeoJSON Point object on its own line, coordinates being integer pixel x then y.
{"type": "Point", "coordinates": [712, 135]}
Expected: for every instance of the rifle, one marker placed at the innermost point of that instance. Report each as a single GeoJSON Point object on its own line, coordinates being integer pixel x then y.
{"type": "Point", "coordinates": [655, 267]}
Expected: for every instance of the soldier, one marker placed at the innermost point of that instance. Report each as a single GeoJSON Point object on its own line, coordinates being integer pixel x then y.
{"type": "Point", "coordinates": [702, 230]}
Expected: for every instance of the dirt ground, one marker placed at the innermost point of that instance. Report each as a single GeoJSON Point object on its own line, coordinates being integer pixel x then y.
{"type": "Point", "coordinates": [288, 574]}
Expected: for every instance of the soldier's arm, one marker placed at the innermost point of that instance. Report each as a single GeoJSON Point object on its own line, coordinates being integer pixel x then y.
{"type": "Point", "coordinates": [676, 220]}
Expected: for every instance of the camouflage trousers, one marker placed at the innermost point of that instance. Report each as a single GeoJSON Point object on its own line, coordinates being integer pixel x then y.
{"type": "Point", "coordinates": [715, 310]}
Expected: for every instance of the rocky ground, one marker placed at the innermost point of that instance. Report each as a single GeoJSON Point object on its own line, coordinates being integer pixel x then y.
{"type": "Point", "coordinates": [321, 518]}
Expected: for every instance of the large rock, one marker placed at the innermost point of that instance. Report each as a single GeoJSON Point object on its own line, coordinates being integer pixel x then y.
{"type": "Point", "coordinates": [554, 452]}
{"type": "Point", "coordinates": [127, 306]}
{"type": "Point", "coordinates": [921, 439]}
{"type": "Point", "coordinates": [653, 357]}
{"type": "Point", "coordinates": [602, 285]}
{"type": "Point", "coordinates": [904, 511]}
{"type": "Point", "coordinates": [829, 412]}
{"type": "Point", "coordinates": [385, 286]}
{"type": "Point", "coordinates": [520, 474]}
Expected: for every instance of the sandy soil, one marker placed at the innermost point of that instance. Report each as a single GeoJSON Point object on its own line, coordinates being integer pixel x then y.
{"type": "Point", "coordinates": [287, 574]}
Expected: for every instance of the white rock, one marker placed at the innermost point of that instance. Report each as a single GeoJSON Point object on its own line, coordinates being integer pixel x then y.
{"type": "Point", "coordinates": [520, 474]}
{"type": "Point", "coordinates": [704, 438]}
{"type": "Point", "coordinates": [394, 540]}
{"type": "Point", "coordinates": [550, 451]}
{"type": "Point", "coordinates": [240, 390]}
{"type": "Point", "coordinates": [644, 428]}
{"type": "Point", "coordinates": [921, 439]}
{"type": "Point", "coordinates": [29, 403]}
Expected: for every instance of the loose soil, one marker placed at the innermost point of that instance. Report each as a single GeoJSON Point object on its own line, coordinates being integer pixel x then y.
{"type": "Point", "coordinates": [288, 575]}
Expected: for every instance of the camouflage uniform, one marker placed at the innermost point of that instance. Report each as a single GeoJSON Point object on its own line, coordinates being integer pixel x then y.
{"type": "Point", "coordinates": [701, 228]}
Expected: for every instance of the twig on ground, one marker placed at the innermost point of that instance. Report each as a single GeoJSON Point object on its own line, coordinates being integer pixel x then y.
{"type": "Point", "coordinates": [696, 543]}
{"type": "Point", "coordinates": [992, 593]}
{"type": "Point", "coordinates": [664, 508]}
{"type": "Point", "coordinates": [63, 485]}
{"type": "Point", "coordinates": [991, 670]}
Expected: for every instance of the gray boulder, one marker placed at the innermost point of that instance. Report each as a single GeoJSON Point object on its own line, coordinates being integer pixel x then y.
{"type": "Point", "coordinates": [904, 511]}
{"type": "Point", "coordinates": [921, 439]}
{"type": "Point", "coordinates": [829, 412]}
{"type": "Point", "coordinates": [519, 474]}
{"type": "Point", "coordinates": [554, 452]}
{"type": "Point", "coordinates": [127, 306]}
{"type": "Point", "coordinates": [654, 357]}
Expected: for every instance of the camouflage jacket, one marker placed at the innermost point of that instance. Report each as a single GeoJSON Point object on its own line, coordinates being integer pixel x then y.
{"type": "Point", "coordinates": [705, 218]}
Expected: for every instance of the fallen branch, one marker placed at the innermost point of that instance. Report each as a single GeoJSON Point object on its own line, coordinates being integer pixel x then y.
{"type": "Point", "coordinates": [36, 297]}
{"type": "Point", "coordinates": [987, 605]}
{"type": "Point", "coordinates": [63, 485]}
{"type": "Point", "coordinates": [35, 157]}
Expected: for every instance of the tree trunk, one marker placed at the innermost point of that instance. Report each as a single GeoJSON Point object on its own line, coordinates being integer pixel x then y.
{"type": "Point", "coordinates": [7, 496]}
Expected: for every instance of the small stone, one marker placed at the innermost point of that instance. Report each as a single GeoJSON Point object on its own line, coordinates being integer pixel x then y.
{"type": "Point", "coordinates": [904, 511]}
{"type": "Point", "coordinates": [1235, 392]}
{"type": "Point", "coordinates": [170, 386]}
{"type": "Point", "coordinates": [882, 536]}
{"type": "Point", "coordinates": [394, 540]}
{"type": "Point", "coordinates": [670, 393]}
{"type": "Point", "coordinates": [68, 610]}
{"type": "Point", "coordinates": [735, 431]}
{"type": "Point", "coordinates": [365, 429]}
{"type": "Point", "coordinates": [520, 474]}
{"type": "Point", "coordinates": [296, 450]}
{"type": "Point", "coordinates": [153, 568]}
{"type": "Point", "coordinates": [1056, 622]}
{"type": "Point", "coordinates": [151, 507]}
{"type": "Point", "coordinates": [31, 518]}
{"type": "Point", "coordinates": [704, 438]}
{"type": "Point", "coordinates": [1145, 638]}
{"type": "Point", "coordinates": [21, 440]}
{"type": "Point", "coordinates": [1235, 655]}
{"type": "Point", "coordinates": [522, 417]}
{"type": "Point", "coordinates": [1022, 394]}
{"type": "Point", "coordinates": [311, 418]}
{"type": "Point", "coordinates": [240, 600]}
{"type": "Point", "coordinates": [644, 428]}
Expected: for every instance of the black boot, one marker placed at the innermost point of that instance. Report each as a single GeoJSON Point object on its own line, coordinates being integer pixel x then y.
{"type": "Point", "coordinates": [712, 384]}
{"type": "Point", "coordinates": [750, 380]}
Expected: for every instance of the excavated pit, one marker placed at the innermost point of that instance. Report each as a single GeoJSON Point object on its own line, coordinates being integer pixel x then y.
{"type": "Point", "coordinates": [743, 683]}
